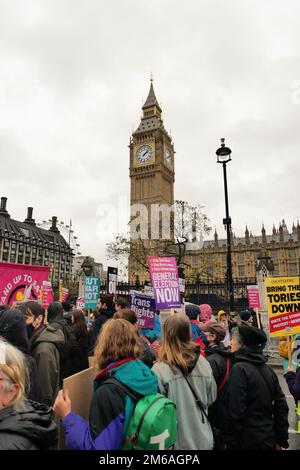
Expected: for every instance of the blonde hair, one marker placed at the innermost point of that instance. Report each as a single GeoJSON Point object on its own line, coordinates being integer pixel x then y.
{"type": "Point", "coordinates": [14, 368]}
{"type": "Point", "coordinates": [118, 340]}
{"type": "Point", "coordinates": [177, 349]}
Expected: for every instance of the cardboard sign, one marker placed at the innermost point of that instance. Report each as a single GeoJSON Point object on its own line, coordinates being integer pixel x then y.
{"type": "Point", "coordinates": [283, 302]}
{"type": "Point", "coordinates": [164, 281]}
{"type": "Point", "coordinates": [144, 307]}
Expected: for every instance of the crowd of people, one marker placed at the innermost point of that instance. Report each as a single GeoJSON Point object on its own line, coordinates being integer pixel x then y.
{"type": "Point", "coordinates": [213, 368]}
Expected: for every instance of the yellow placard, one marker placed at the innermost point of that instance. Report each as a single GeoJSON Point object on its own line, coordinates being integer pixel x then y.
{"type": "Point", "coordinates": [283, 303]}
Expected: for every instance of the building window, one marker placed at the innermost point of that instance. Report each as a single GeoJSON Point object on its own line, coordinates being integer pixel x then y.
{"type": "Point", "coordinates": [241, 258]}
{"type": "Point", "coordinates": [5, 250]}
{"type": "Point", "coordinates": [293, 269]}
{"type": "Point", "coordinates": [241, 271]}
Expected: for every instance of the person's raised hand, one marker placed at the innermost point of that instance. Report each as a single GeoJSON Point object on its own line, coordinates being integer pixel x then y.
{"type": "Point", "coordinates": [62, 405]}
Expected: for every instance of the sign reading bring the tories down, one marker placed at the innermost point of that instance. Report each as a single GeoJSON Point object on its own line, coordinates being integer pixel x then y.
{"type": "Point", "coordinates": [283, 301]}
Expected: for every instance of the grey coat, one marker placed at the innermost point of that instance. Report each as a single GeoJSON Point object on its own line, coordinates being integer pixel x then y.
{"type": "Point", "coordinates": [193, 429]}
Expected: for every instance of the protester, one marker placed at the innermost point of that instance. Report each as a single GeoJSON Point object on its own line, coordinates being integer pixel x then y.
{"type": "Point", "coordinates": [234, 321]}
{"type": "Point", "coordinates": [223, 319]}
{"type": "Point", "coordinates": [185, 377]}
{"type": "Point", "coordinates": [79, 326]}
{"type": "Point", "coordinates": [258, 411]}
{"type": "Point", "coordinates": [121, 303]}
{"type": "Point", "coordinates": [13, 329]}
{"type": "Point", "coordinates": [44, 347]}
{"type": "Point", "coordinates": [219, 358]}
{"type": "Point", "coordinates": [106, 309]}
{"type": "Point", "coordinates": [246, 317]}
{"type": "Point", "coordinates": [69, 349]}
{"type": "Point", "coordinates": [148, 356]}
{"type": "Point", "coordinates": [205, 313]}
{"type": "Point", "coordinates": [117, 355]}
{"type": "Point", "coordinates": [152, 336]}
{"type": "Point", "coordinates": [192, 311]}
{"type": "Point", "coordinates": [293, 380]}
{"type": "Point", "coordinates": [24, 424]}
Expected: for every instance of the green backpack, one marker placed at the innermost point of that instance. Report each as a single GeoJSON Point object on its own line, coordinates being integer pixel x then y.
{"type": "Point", "coordinates": [153, 423]}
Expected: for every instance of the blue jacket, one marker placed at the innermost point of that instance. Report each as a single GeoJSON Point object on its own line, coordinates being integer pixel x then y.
{"type": "Point", "coordinates": [111, 408]}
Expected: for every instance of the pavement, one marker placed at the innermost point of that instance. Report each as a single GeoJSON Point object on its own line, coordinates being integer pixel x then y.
{"type": "Point", "coordinates": [294, 437]}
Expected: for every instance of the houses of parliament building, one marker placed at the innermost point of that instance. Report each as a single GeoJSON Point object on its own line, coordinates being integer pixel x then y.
{"type": "Point", "coordinates": [152, 178]}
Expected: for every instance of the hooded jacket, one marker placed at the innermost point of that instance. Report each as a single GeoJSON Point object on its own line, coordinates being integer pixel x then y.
{"type": "Point", "coordinates": [293, 381]}
{"type": "Point", "coordinates": [111, 409]}
{"type": "Point", "coordinates": [193, 430]}
{"type": "Point", "coordinates": [105, 315]}
{"type": "Point", "coordinates": [217, 356]}
{"type": "Point", "coordinates": [258, 411]}
{"type": "Point", "coordinates": [13, 329]}
{"type": "Point", "coordinates": [30, 428]}
{"type": "Point", "coordinates": [44, 348]}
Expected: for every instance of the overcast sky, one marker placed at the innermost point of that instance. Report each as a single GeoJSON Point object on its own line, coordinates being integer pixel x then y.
{"type": "Point", "coordinates": [74, 75]}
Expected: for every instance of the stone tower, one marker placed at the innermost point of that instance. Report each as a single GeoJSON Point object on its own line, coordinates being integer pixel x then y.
{"type": "Point", "coordinates": [152, 174]}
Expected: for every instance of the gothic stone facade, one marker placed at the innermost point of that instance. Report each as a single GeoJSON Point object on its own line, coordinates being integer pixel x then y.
{"type": "Point", "coordinates": [282, 246]}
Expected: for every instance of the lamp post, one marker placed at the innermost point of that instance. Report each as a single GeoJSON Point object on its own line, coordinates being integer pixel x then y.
{"type": "Point", "coordinates": [224, 156]}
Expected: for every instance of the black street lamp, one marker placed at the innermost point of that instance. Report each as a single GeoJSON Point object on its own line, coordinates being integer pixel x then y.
{"type": "Point", "coordinates": [223, 154]}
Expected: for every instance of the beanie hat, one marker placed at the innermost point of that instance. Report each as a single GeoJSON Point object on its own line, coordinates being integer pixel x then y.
{"type": "Point", "coordinates": [215, 329]}
{"type": "Point", "coordinates": [192, 311]}
{"type": "Point", "coordinates": [220, 313]}
{"type": "Point", "coordinates": [251, 336]}
{"type": "Point", "coordinates": [13, 329]}
{"type": "Point", "coordinates": [205, 313]}
{"type": "Point", "coordinates": [245, 315]}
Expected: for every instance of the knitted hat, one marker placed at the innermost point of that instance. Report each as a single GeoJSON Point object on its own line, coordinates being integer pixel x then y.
{"type": "Point", "coordinates": [215, 329]}
{"type": "Point", "coordinates": [251, 336]}
{"type": "Point", "coordinates": [245, 315]}
{"type": "Point", "coordinates": [205, 313]}
{"type": "Point", "coordinates": [192, 311]}
{"type": "Point", "coordinates": [13, 329]}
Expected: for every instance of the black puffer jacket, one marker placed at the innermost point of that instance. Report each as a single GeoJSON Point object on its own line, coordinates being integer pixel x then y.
{"type": "Point", "coordinates": [217, 356]}
{"type": "Point", "coordinates": [32, 428]}
{"type": "Point", "coordinates": [258, 411]}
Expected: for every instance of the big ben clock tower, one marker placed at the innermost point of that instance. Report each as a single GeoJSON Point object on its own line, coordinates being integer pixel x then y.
{"type": "Point", "coordinates": [152, 173]}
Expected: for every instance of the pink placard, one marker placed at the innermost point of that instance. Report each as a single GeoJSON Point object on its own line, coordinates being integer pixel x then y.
{"type": "Point", "coordinates": [253, 296]}
{"type": "Point", "coordinates": [165, 283]}
{"type": "Point", "coordinates": [21, 282]}
{"type": "Point", "coordinates": [48, 295]}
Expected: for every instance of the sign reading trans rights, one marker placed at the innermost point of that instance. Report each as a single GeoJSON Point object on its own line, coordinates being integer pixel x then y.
{"type": "Point", "coordinates": [165, 283]}
{"type": "Point", "coordinates": [283, 301]}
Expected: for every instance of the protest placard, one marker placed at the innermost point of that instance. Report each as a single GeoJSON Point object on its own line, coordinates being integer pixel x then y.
{"type": "Point", "coordinates": [144, 307]}
{"type": "Point", "coordinates": [164, 281]}
{"type": "Point", "coordinates": [283, 303]}
{"type": "Point", "coordinates": [91, 291]}
{"type": "Point", "coordinates": [111, 283]}
{"type": "Point", "coordinates": [253, 296]}
{"type": "Point", "coordinates": [20, 283]}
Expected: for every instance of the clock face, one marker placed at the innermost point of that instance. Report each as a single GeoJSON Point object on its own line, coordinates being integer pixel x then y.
{"type": "Point", "coordinates": [144, 154]}
{"type": "Point", "coordinates": [168, 156]}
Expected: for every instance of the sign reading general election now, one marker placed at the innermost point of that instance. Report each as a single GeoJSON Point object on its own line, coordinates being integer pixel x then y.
{"type": "Point", "coordinates": [283, 302]}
